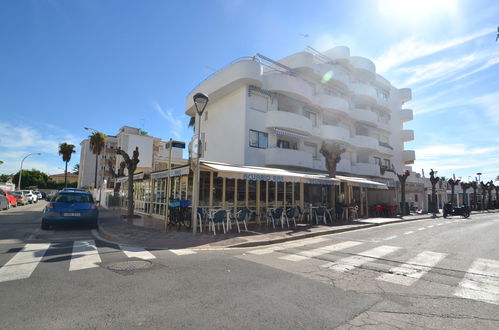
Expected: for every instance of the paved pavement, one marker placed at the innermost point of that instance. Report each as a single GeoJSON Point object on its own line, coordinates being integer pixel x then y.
{"type": "Point", "coordinates": [148, 232]}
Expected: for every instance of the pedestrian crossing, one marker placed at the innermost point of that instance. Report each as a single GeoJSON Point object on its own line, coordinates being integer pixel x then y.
{"type": "Point", "coordinates": [84, 255]}
{"type": "Point", "coordinates": [398, 266]}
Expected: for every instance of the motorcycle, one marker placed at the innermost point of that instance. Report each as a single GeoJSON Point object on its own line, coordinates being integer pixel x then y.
{"type": "Point", "coordinates": [449, 209]}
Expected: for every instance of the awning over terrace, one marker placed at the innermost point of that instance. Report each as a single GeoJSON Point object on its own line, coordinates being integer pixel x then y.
{"type": "Point", "coordinates": [361, 182]}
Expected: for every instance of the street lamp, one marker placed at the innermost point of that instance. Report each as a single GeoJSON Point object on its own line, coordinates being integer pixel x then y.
{"type": "Point", "coordinates": [479, 173]}
{"type": "Point", "coordinates": [21, 170]}
{"type": "Point", "coordinates": [200, 101]}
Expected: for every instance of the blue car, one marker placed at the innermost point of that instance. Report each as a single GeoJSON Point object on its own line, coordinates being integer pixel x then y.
{"type": "Point", "coordinates": [70, 207]}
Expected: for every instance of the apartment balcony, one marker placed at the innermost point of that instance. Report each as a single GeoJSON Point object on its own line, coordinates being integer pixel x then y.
{"type": "Point", "coordinates": [288, 121]}
{"type": "Point", "coordinates": [407, 135]}
{"type": "Point", "coordinates": [302, 61]}
{"type": "Point", "coordinates": [405, 94]}
{"type": "Point", "coordinates": [289, 85]}
{"type": "Point", "coordinates": [319, 163]}
{"type": "Point", "coordinates": [365, 142]}
{"type": "Point", "coordinates": [244, 72]}
{"type": "Point", "coordinates": [366, 169]}
{"type": "Point", "coordinates": [344, 166]}
{"type": "Point", "coordinates": [383, 82]}
{"type": "Point", "coordinates": [365, 92]}
{"type": "Point", "coordinates": [339, 53]}
{"type": "Point", "coordinates": [363, 66]}
{"type": "Point", "coordinates": [384, 104]}
{"type": "Point", "coordinates": [384, 126]}
{"type": "Point", "coordinates": [332, 102]}
{"type": "Point", "coordinates": [408, 156]}
{"type": "Point", "coordinates": [335, 133]}
{"type": "Point", "coordinates": [288, 157]}
{"type": "Point", "coordinates": [406, 115]}
{"type": "Point", "coordinates": [364, 115]}
{"type": "Point", "coordinates": [385, 148]}
{"type": "Point", "coordinates": [328, 73]}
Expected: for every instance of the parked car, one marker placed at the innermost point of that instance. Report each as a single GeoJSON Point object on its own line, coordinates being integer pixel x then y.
{"type": "Point", "coordinates": [73, 207]}
{"type": "Point", "coordinates": [4, 202]}
{"type": "Point", "coordinates": [51, 195]}
{"type": "Point", "coordinates": [74, 189]}
{"type": "Point", "coordinates": [32, 198]}
{"type": "Point", "coordinates": [38, 195]}
{"type": "Point", "coordinates": [21, 197]}
{"type": "Point", "coordinates": [44, 195]}
{"type": "Point", "coordinates": [12, 199]}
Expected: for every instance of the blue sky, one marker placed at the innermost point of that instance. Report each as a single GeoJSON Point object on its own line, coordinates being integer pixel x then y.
{"type": "Point", "coordinates": [108, 63]}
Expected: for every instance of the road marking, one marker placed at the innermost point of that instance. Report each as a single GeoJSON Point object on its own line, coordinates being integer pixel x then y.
{"type": "Point", "coordinates": [24, 262]}
{"type": "Point", "coordinates": [288, 245]}
{"type": "Point", "coordinates": [350, 263]}
{"type": "Point", "coordinates": [422, 228]}
{"type": "Point", "coordinates": [431, 226]}
{"type": "Point", "coordinates": [10, 241]}
{"type": "Point", "coordinates": [85, 255]}
{"type": "Point", "coordinates": [409, 232]}
{"type": "Point", "coordinates": [391, 237]}
{"type": "Point", "coordinates": [320, 251]}
{"type": "Point", "coordinates": [135, 252]}
{"type": "Point", "coordinates": [481, 282]}
{"type": "Point", "coordinates": [440, 224]}
{"type": "Point", "coordinates": [182, 252]}
{"type": "Point", "coordinates": [408, 273]}
{"type": "Point", "coordinates": [447, 222]}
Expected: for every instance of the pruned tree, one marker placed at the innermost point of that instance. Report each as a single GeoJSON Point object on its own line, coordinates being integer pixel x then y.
{"type": "Point", "coordinates": [496, 188]}
{"type": "Point", "coordinates": [434, 180]}
{"type": "Point", "coordinates": [474, 186]}
{"type": "Point", "coordinates": [483, 186]}
{"type": "Point", "coordinates": [332, 153]}
{"type": "Point", "coordinates": [453, 183]}
{"type": "Point", "coordinates": [402, 178]}
{"type": "Point", "coordinates": [120, 173]}
{"type": "Point", "coordinates": [465, 186]}
{"type": "Point", "coordinates": [131, 166]}
{"type": "Point", "coordinates": [490, 187]}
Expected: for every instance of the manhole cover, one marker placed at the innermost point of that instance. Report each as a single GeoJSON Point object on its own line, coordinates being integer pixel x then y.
{"type": "Point", "coordinates": [130, 266]}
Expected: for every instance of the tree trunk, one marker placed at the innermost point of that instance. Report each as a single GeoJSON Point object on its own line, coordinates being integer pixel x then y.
{"type": "Point", "coordinates": [131, 205]}
{"type": "Point", "coordinates": [95, 180]}
{"type": "Point", "coordinates": [66, 176]}
{"type": "Point", "coordinates": [434, 198]}
{"type": "Point", "coordinates": [402, 199]}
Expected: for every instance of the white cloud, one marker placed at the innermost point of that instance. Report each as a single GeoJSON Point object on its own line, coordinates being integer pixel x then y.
{"type": "Point", "coordinates": [176, 124]}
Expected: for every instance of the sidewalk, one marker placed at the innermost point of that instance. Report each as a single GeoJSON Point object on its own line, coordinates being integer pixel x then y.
{"type": "Point", "coordinates": [148, 232]}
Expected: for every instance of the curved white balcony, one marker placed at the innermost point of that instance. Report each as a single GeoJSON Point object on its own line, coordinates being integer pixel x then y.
{"type": "Point", "coordinates": [383, 82]}
{"type": "Point", "coordinates": [409, 156]}
{"type": "Point", "coordinates": [407, 135]}
{"type": "Point", "coordinates": [328, 73]}
{"type": "Point", "coordinates": [406, 115]}
{"type": "Point", "coordinates": [405, 94]}
{"type": "Point", "coordinates": [302, 61]}
{"type": "Point", "coordinates": [344, 166]}
{"type": "Point", "coordinates": [366, 169]}
{"type": "Point", "coordinates": [288, 157]}
{"type": "Point", "coordinates": [385, 149]}
{"type": "Point", "coordinates": [363, 66]}
{"type": "Point", "coordinates": [245, 72]}
{"type": "Point", "coordinates": [289, 85]}
{"type": "Point", "coordinates": [364, 115]}
{"type": "Point", "coordinates": [365, 142]}
{"type": "Point", "coordinates": [365, 92]}
{"type": "Point", "coordinates": [331, 102]}
{"type": "Point", "coordinates": [319, 163]}
{"type": "Point", "coordinates": [384, 104]}
{"type": "Point", "coordinates": [289, 121]}
{"type": "Point", "coordinates": [336, 133]}
{"type": "Point", "coordinates": [384, 126]}
{"type": "Point", "coordinates": [338, 53]}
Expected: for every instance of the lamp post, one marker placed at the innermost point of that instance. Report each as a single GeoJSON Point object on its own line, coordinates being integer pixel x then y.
{"type": "Point", "coordinates": [479, 173]}
{"type": "Point", "coordinates": [21, 170]}
{"type": "Point", "coordinates": [200, 101]}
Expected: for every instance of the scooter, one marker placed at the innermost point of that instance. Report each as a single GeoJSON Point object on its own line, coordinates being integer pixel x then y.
{"type": "Point", "coordinates": [451, 210]}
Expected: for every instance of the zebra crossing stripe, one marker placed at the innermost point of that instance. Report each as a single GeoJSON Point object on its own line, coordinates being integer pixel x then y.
{"type": "Point", "coordinates": [85, 255]}
{"type": "Point", "coordinates": [350, 263]}
{"type": "Point", "coordinates": [320, 251]}
{"type": "Point", "coordinates": [135, 252]}
{"type": "Point", "coordinates": [288, 245]}
{"type": "Point", "coordinates": [183, 252]}
{"type": "Point", "coordinates": [408, 273]}
{"type": "Point", "coordinates": [24, 262]}
{"type": "Point", "coordinates": [481, 282]}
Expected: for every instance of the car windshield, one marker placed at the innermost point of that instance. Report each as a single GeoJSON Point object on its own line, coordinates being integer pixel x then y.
{"type": "Point", "coordinates": [73, 198]}
{"type": "Point", "coordinates": [17, 193]}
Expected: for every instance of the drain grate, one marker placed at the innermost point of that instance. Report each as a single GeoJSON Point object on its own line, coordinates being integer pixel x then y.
{"type": "Point", "coordinates": [130, 267]}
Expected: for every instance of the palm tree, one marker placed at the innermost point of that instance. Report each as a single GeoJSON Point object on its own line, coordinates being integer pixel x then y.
{"type": "Point", "coordinates": [76, 169]}
{"type": "Point", "coordinates": [66, 150]}
{"type": "Point", "coordinates": [97, 143]}
{"type": "Point", "coordinates": [192, 122]}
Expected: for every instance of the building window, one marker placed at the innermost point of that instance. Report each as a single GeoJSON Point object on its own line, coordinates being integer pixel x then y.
{"type": "Point", "coordinates": [283, 144]}
{"type": "Point", "coordinates": [386, 163]}
{"type": "Point", "coordinates": [312, 116]}
{"type": "Point", "coordinates": [258, 139]}
{"type": "Point", "coordinates": [377, 161]}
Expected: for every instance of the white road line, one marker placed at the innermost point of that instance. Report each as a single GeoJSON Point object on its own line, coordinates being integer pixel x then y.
{"type": "Point", "coordinates": [135, 252]}
{"type": "Point", "coordinates": [431, 226]}
{"type": "Point", "coordinates": [447, 222]}
{"type": "Point", "coordinates": [182, 252]}
{"type": "Point", "coordinates": [85, 255]}
{"type": "Point", "coordinates": [422, 228]}
{"type": "Point", "coordinates": [288, 245]}
{"type": "Point", "coordinates": [481, 282]}
{"type": "Point", "coordinates": [391, 237]}
{"type": "Point", "coordinates": [320, 251]}
{"type": "Point", "coordinates": [440, 224]}
{"type": "Point", "coordinates": [350, 263]}
{"type": "Point", "coordinates": [409, 232]}
{"type": "Point", "coordinates": [408, 273]}
{"type": "Point", "coordinates": [24, 262]}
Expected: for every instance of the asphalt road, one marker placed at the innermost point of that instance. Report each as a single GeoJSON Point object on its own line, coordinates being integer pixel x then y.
{"type": "Point", "coordinates": [428, 274]}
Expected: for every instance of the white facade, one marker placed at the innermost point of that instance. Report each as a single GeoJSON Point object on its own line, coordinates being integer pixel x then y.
{"type": "Point", "coordinates": [277, 115]}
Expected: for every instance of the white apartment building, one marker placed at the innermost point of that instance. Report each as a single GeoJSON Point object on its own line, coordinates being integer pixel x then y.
{"type": "Point", "coordinates": [153, 155]}
{"type": "Point", "coordinates": [277, 113]}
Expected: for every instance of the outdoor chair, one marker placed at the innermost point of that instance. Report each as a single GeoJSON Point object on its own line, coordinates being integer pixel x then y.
{"type": "Point", "coordinates": [202, 219]}
{"type": "Point", "coordinates": [320, 213]}
{"type": "Point", "coordinates": [302, 214]}
{"type": "Point", "coordinates": [219, 217]}
{"type": "Point", "coordinates": [241, 216]}
{"type": "Point", "coordinates": [278, 215]}
{"type": "Point", "coordinates": [291, 213]}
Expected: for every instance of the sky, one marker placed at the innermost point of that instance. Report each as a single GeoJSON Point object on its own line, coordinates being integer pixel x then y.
{"type": "Point", "coordinates": [66, 65]}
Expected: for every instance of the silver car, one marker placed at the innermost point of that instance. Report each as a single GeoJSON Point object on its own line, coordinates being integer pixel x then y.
{"type": "Point", "coordinates": [32, 198]}
{"type": "Point", "coordinates": [4, 202]}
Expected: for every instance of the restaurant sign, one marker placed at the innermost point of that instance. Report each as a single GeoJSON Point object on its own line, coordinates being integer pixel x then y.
{"type": "Point", "coordinates": [174, 172]}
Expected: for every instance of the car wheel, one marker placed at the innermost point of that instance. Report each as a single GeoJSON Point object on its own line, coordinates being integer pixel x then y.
{"type": "Point", "coordinates": [45, 225]}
